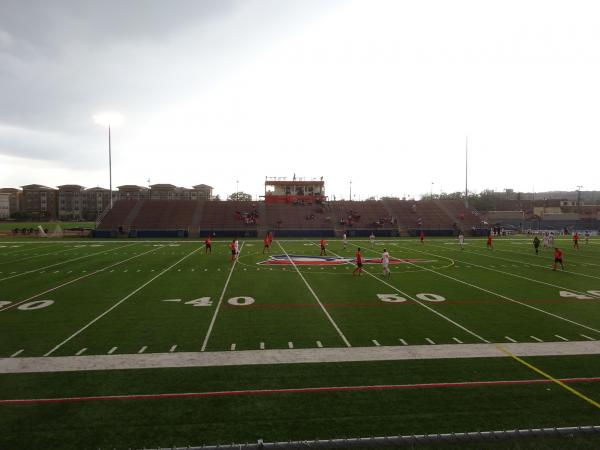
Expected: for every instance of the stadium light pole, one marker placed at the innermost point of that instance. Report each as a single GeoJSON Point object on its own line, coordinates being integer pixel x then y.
{"type": "Point", "coordinates": [350, 190]}
{"type": "Point", "coordinates": [107, 119]}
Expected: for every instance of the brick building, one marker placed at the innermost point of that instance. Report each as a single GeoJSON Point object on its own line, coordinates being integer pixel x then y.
{"type": "Point", "coordinates": [40, 202]}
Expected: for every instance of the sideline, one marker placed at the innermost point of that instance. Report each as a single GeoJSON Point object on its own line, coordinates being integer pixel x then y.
{"type": "Point", "coordinates": [293, 356]}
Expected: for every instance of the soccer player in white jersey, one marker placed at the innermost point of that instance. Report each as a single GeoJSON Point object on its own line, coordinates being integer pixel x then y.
{"type": "Point", "coordinates": [385, 262]}
{"type": "Point", "coordinates": [546, 239]}
{"type": "Point", "coordinates": [236, 245]}
{"type": "Point", "coordinates": [551, 239]}
{"type": "Point", "coordinates": [372, 239]}
{"type": "Point", "coordinates": [345, 240]}
{"type": "Point", "coordinates": [461, 240]}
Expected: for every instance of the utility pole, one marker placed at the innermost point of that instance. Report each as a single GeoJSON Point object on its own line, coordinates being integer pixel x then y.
{"type": "Point", "coordinates": [466, 171]}
{"type": "Point", "coordinates": [579, 195]}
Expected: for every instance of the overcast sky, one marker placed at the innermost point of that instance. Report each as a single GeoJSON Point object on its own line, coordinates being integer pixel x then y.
{"type": "Point", "coordinates": [382, 93]}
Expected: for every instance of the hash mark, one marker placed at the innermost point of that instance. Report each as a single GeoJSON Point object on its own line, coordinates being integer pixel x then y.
{"type": "Point", "coordinates": [403, 341]}
{"type": "Point", "coordinates": [587, 337]}
{"type": "Point", "coordinates": [172, 349]}
{"type": "Point", "coordinates": [290, 345]}
{"type": "Point", "coordinates": [319, 344]}
{"type": "Point", "coordinates": [262, 345]}
{"type": "Point", "coordinates": [561, 338]}
{"type": "Point", "coordinates": [17, 353]}
{"type": "Point", "coordinates": [143, 349]}
{"type": "Point", "coordinates": [80, 352]}
{"type": "Point", "coordinates": [232, 347]}
{"type": "Point", "coordinates": [536, 339]}
{"type": "Point", "coordinates": [430, 341]}
{"type": "Point", "coordinates": [509, 339]}
{"type": "Point", "coordinates": [457, 340]}
{"type": "Point", "coordinates": [376, 343]}
{"type": "Point", "coordinates": [112, 350]}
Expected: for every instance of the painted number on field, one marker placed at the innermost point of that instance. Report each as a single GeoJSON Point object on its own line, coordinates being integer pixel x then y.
{"type": "Point", "coordinates": [430, 297]}
{"type": "Point", "coordinates": [240, 301]}
{"type": "Point", "coordinates": [391, 298]}
{"type": "Point", "coordinates": [395, 298]}
{"type": "Point", "coordinates": [202, 301]}
{"type": "Point", "coordinates": [29, 306]}
{"type": "Point", "coordinates": [569, 294]}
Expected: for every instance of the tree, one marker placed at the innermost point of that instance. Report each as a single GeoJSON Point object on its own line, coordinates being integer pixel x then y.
{"type": "Point", "coordinates": [240, 197]}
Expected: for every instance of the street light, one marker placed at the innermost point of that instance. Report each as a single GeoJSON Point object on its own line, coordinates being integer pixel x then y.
{"type": "Point", "coordinates": [106, 119]}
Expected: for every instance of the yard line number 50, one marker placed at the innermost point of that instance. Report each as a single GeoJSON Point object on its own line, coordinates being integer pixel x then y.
{"type": "Point", "coordinates": [395, 298]}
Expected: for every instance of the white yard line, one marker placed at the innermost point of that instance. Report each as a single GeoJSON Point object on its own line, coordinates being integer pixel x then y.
{"type": "Point", "coordinates": [510, 260]}
{"type": "Point", "coordinates": [89, 324]}
{"type": "Point", "coordinates": [64, 262]}
{"type": "Point", "coordinates": [437, 313]}
{"type": "Point", "coordinates": [36, 255]}
{"type": "Point", "coordinates": [316, 298]}
{"type": "Point", "coordinates": [293, 356]}
{"type": "Point", "coordinates": [214, 317]}
{"type": "Point", "coordinates": [513, 274]}
{"type": "Point", "coordinates": [12, 305]}
{"type": "Point", "coordinates": [498, 294]}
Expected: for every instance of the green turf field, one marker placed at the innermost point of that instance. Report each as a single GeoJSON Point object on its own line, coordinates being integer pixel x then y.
{"type": "Point", "coordinates": [135, 297]}
{"type": "Point", "coordinates": [9, 226]}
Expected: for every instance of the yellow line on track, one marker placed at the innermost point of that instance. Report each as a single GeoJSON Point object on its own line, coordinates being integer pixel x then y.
{"type": "Point", "coordinates": [550, 377]}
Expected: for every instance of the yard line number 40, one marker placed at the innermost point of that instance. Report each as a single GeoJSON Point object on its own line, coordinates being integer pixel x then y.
{"type": "Point", "coordinates": [29, 306]}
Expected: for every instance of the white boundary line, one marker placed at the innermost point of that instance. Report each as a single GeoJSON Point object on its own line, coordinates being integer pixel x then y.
{"type": "Point", "coordinates": [17, 303]}
{"type": "Point", "coordinates": [316, 298]}
{"type": "Point", "coordinates": [214, 317]}
{"type": "Point", "coordinates": [119, 302]}
{"type": "Point", "coordinates": [513, 274]}
{"type": "Point", "coordinates": [64, 262]}
{"type": "Point", "coordinates": [437, 313]}
{"type": "Point", "coordinates": [32, 249]}
{"type": "Point", "coordinates": [497, 294]}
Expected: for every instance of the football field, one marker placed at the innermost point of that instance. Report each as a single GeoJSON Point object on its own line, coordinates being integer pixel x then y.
{"type": "Point", "coordinates": [193, 348]}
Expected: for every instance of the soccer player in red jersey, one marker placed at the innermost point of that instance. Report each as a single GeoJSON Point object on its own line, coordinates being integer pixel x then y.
{"type": "Point", "coordinates": [358, 263]}
{"type": "Point", "coordinates": [576, 240]}
{"type": "Point", "coordinates": [267, 243]}
{"type": "Point", "coordinates": [422, 237]}
{"type": "Point", "coordinates": [323, 244]}
{"type": "Point", "coordinates": [270, 237]}
{"type": "Point", "coordinates": [207, 245]}
{"type": "Point", "coordinates": [232, 246]}
{"type": "Point", "coordinates": [558, 258]}
{"type": "Point", "coordinates": [489, 242]}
